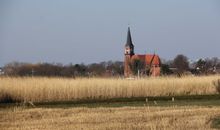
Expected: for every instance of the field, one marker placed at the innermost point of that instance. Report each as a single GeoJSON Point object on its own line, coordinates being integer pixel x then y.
{"type": "Point", "coordinates": [43, 89]}
{"type": "Point", "coordinates": [196, 104]}
{"type": "Point", "coordinates": [127, 118]}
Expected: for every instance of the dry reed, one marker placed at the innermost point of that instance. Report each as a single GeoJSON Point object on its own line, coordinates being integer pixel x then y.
{"type": "Point", "coordinates": [42, 89]}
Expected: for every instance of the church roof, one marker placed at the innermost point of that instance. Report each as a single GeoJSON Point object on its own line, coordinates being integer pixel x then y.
{"type": "Point", "coordinates": [148, 59]}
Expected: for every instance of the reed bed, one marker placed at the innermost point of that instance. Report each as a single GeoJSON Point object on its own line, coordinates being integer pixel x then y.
{"type": "Point", "coordinates": [44, 89]}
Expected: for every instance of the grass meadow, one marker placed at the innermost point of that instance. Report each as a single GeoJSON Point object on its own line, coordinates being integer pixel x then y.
{"type": "Point", "coordinates": [44, 89]}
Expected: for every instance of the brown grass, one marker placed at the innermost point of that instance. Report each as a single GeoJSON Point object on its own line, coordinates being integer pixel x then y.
{"type": "Point", "coordinates": [59, 89]}
{"type": "Point", "coordinates": [127, 118]}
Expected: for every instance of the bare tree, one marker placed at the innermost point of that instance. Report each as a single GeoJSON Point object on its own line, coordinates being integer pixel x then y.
{"type": "Point", "coordinates": [181, 63]}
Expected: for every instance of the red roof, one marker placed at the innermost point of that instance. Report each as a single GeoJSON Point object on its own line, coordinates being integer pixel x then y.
{"type": "Point", "coordinates": [148, 58]}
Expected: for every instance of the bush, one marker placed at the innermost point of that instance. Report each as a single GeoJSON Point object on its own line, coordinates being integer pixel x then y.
{"type": "Point", "coordinates": [7, 98]}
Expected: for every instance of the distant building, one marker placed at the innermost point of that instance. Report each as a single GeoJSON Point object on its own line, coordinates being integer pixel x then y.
{"type": "Point", "coordinates": [151, 62]}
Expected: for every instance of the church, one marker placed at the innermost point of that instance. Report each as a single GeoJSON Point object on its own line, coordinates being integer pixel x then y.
{"type": "Point", "coordinates": [144, 64]}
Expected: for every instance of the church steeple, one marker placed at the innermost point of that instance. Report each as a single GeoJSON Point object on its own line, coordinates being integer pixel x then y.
{"type": "Point", "coordinates": [129, 47]}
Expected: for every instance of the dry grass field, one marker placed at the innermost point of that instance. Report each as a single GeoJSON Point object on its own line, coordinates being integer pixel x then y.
{"type": "Point", "coordinates": [42, 89]}
{"type": "Point", "coordinates": [122, 118]}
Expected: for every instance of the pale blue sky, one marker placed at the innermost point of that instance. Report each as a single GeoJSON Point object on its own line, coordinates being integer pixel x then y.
{"type": "Point", "coordinates": [87, 31]}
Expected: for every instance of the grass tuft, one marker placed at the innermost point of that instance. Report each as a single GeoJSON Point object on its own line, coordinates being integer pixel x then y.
{"type": "Point", "coordinates": [217, 85]}
{"type": "Point", "coordinates": [216, 122]}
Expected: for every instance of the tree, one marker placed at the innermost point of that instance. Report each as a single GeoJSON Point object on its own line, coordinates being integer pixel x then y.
{"type": "Point", "coordinates": [115, 68]}
{"type": "Point", "coordinates": [181, 63]}
{"type": "Point", "coordinates": [201, 66]}
{"type": "Point", "coordinates": [80, 70]}
{"type": "Point", "coordinates": [137, 65]}
{"type": "Point", "coordinates": [165, 69]}
{"type": "Point", "coordinates": [96, 69]}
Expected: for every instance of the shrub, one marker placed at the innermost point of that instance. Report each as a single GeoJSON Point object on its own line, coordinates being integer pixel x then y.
{"type": "Point", "coordinates": [7, 98]}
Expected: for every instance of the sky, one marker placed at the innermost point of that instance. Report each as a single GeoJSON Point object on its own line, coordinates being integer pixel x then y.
{"type": "Point", "coordinates": [89, 31]}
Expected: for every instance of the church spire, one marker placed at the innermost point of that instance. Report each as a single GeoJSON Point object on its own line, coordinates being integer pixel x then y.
{"type": "Point", "coordinates": [129, 40]}
{"type": "Point", "coordinates": [129, 47]}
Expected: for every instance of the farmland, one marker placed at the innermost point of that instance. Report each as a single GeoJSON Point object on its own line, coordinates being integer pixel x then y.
{"type": "Point", "coordinates": [129, 118]}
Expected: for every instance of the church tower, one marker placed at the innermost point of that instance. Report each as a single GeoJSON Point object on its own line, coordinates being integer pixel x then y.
{"type": "Point", "coordinates": [129, 52]}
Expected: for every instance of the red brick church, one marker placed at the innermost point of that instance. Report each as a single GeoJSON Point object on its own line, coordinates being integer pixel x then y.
{"type": "Point", "coordinates": [151, 62]}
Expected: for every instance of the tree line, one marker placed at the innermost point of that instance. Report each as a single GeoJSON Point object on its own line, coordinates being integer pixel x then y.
{"type": "Point", "coordinates": [178, 66]}
{"type": "Point", "coordinates": [56, 69]}
{"type": "Point", "coordinates": [181, 65]}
